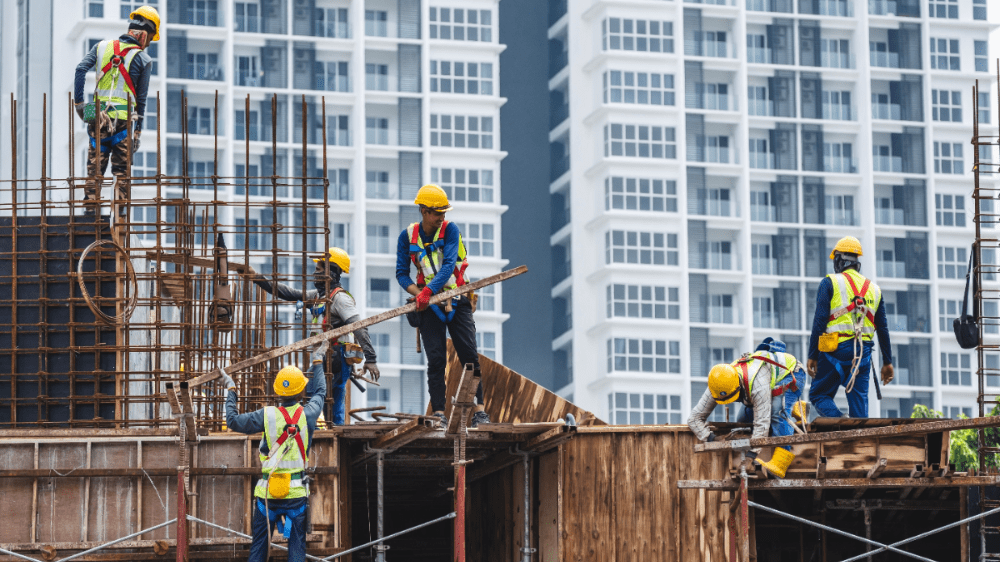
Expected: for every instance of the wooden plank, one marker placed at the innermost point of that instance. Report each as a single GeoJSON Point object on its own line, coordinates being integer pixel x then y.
{"type": "Point", "coordinates": [643, 497]}
{"type": "Point", "coordinates": [812, 483]}
{"type": "Point", "coordinates": [850, 455]}
{"type": "Point", "coordinates": [18, 492]}
{"type": "Point", "coordinates": [589, 522]}
{"type": "Point", "coordinates": [549, 488]}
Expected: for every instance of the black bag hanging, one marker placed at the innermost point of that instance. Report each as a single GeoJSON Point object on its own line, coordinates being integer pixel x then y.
{"type": "Point", "coordinates": [966, 326]}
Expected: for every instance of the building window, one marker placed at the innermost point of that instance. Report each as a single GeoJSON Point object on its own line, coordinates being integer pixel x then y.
{"type": "Point", "coordinates": [338, 131]}
{"type": "Point", "coordinates": [837, 105]}
{"type": "Point", "coordinates": [376, 130]}
{"type": "Point", "coordinates": [950, 209]}
{"type": "Point", "coordinates": [643, 301]}
{"type": "Point", "coordinates": [94, 9]}
{"type": "Point", "coordinates": [474, 186]}
{"type": "Point", "coordinates": [487, 299]}
{"type": "Point", "coordinates": [618, 34]}
{"type": "Point", "coordinates": [984, 112]}
{"type": "Point", "coordinates": [647, 248]}
{"type": "Point", "coordinates": [378, 293]}
{"type": "Point", "coordinates": [944, 54]}
{"type": "Point", "coordinates": [979, 10]}
{"type": "Point", "coordinates": [954, 412]}
{"type": "Point", "coordinates": [952, 263]}
{"type": "Point", "coordinates": [461, 25]}
{"type": "Point", "coordinates": [948, 158]}
{"type": "Point", "coordinates": [641, 141]}
{"type": "Point", "coordinates": [143, 218]}
{"type": "Point", "coordinates": [129, 6]}
{"type": "Point", "coordinates": [720, 255]}
{"type": "Point", "coordinates": [644, 409]}
{"type": "Point", "coordinates": [644, 356]}
{"type": "Point", "coordinates": [486, 343]}
{"type": "Point", "coordinates": [982, 50]}
{"type": "Point", "coordinates": [763, 312]}
{"type": "Point", "coordinates": [246, 17]}
{"type": "Point", "coordinates": [639, 87]}
{"type": "Point", "coordinates": [144, 165]}
{"type": "Point", "coordinates": [761, 253]}
{"type": "Point", "coordinates": [380, 396]}
{"type": "Point", "coordinates": [946, 105]}
{"type": "Point", "coordinates": [956, 369]}
{"type": "Point", "coordinates": [202, 12]}
{"type": "Point", "coordinates": [461, 131]}
{"type": "Point", "coordinates": [376, 23]}
{"type": "Point", "coordinates": [377, 184]}
{"type": "Point", "coordinates": [332, 76]}
{"type": "Point", "coordinates": [449, 77]}
{"type": "Point", "coordinates": [331, 22]}
{"type": "Point", "coordinates": [640, 194]}
{"type": "Point", "coordinates": [203, 66]}
{"type": "Point", "coordinates": [948, 311]}
{"type": "Point", "coordinates": [947, 9]}
{"type": "Point", "coordinates": [478, 239]}
{"type": "Point", "coordinates": [721, 309]}
{"type": "Point", "coordinates": [378, 239]}
{"type": "Point", "coordinates": [377, 77]}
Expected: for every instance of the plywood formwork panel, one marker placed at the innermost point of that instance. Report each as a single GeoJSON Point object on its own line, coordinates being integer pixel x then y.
{"type": "Point", "coordinates": [113, 501]}
{"type": "Point", "coordinates": [159, 493]}
{"type": "Point", "coordinates": [220, 499]}
{"type": "Point", "coordinates": [588, 499]}
{"type": "Point", "coordinates": [550, 483]}
{"type": "Point", "coordinates": [62, 502]}
{"type": "Point", "coordinates": [17, 492]}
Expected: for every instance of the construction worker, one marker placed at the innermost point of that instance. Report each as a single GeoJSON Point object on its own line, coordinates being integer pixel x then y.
{"type": "Point", "coordinates": [123, 69]}
{"type": "Point", "coordinates": [766, 382]}
{"type": "Point", "coordinates": [282, 492]}
{"type": "Point", "coordinates": [849, 312]}
{"type": "Point", "coordinates": [435, 247]}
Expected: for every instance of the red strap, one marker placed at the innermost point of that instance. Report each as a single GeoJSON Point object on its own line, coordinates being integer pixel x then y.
{"type": "Point", "coordinates": [415, 239]}
{"type": "Point", "coordinates": [746, 376]}
{"type": "Point", "coordinates": [864, 291]}
{"type": "Point", "coordinates": [117, 61]}
{"type": "Point", "coordinates": [440, 232]}
{"type": "Point", "coordinates": [293, 422]}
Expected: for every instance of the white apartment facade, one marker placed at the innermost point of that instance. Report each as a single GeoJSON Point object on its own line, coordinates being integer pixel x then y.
{"type": "Point", "coordinates": [412, 96]}
{"type": "Point", "coordinates": [707, 155]}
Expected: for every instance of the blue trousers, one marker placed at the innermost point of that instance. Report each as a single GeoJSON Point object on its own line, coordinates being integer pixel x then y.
{"type": "Point", "coordinates": [833, 370]}
{"type": "Point", "coordinates": [781, 412]}
{"type": "Point", "coordinates": [341, 377]}
{"type": "Point", "coordinates": [262, 528]}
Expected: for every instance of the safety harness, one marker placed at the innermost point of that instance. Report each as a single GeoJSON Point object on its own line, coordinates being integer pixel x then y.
{"type": "Point", "coordinates": [291, 430]}
{"type": "Point", "coordinates": [117, 64]}
{"type": "Point", "coordinates": [744, 363]}
{"type": "Point", "coordinates": [859, 311]}
{"type": "Point", "coordinates": [419, 251]}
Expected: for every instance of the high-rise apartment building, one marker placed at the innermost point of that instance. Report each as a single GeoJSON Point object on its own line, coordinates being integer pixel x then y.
{"type": "Point", "coordinates": [705, 157]}
{"type": "Point", "coordinates": [412, 97]}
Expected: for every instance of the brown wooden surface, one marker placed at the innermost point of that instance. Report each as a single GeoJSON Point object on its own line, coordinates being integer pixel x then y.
{"type": "Point", "coordinates": [549, 492]}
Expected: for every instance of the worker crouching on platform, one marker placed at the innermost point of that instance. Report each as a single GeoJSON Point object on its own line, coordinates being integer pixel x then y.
{"type": "Point", "coordinates": [435, 247]}
{"type": "Point", "coordinates": [849, 312]}
{"type": "Point", "coordinates": [282, 492]}
{"type": "Point", "coordinates": [767, 385]}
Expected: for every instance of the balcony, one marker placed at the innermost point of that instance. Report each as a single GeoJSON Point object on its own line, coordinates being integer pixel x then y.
{"type": "Point", "coordinates": [760, 55]}
{"type": "Point", "coordinates": [761, 108]}
{"type": "Point", "coordinates": [891, 269]}
{"type": "Point", "coordinates": [202, 12]}
{"type": "Point", "coordinates": [247, 23]}
{"type": "Point", "coordinates": [838, 112]}
{"type": "Point", "coordinates": [765, 266]}
{"type": "Point", "coordinates": [837, 60]}
{"type": "Point", "coordinates": [883, 110]}
{"type": "Point", "coordinates": [712, 2]}
{"type": "Point", "coordinates": [838, 8]}
{"type": "Point", "coordinates": [709, 48]}
{"type": "Point", "coordinates": [883, 59]}
{"type": "Point", "coordinates": [714, 101]}
{"type": "Point", "coordinates": [840, 165]}
{"type": "Point", "coordinates": [893, 164]}
{"type": "Point", "coordinates": [762, 160]}
{"type": "Point", "coordinates": [890, 216]}
{"type": "Point", "coordinates": [841, 217]}
{"type": "Point", "coordinates": [197, 70]}
{"type": "Point", "coordinates": [882, 7]}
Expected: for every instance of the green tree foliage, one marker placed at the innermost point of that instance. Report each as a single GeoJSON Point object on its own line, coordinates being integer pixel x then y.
{"type": "Point", "coordinates": [965, 442]}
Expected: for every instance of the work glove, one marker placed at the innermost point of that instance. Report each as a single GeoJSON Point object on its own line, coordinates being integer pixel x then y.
{"type": "Point", "coordinates": [424, 298]}
{"type": "Point", "coordinates": [319, 354]}
{"type": "Point", "coordinates": [888, 373]}
{"type": "Point", "coordinates": [371, 369]}
{"type": "Point", "coordinates": [79, 110]}
{"type": "Point", "coordinates": [227, 382]}
{"type": "Point", "coordinates": [710, 438]}
{"type": "Point", "coordinates": [811, 367]}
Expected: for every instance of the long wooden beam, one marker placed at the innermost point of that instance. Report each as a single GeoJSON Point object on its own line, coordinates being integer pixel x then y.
{"type": "Point", "coordinates": [824, 483]}
{"type": "Point", "coordinates": [850, 434]}
{"type": "Point", "coordinates": [343, 330]}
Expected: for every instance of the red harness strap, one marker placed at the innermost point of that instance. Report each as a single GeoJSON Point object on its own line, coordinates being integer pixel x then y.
{"type": "Point", "coordinates": [118, 61]}
{"type": "Point", "coordinates": [853, 304]}
{"type": "Point", "coordinates": [292, 428]}
{"type": "Point", "coordinates": [776, 391]}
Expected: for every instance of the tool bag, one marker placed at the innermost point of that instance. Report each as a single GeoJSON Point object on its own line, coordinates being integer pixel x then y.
{"type": "Point", "coordinates": [966, 326]}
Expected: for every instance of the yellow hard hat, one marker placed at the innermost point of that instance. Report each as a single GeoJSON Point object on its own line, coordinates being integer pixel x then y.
{"type": "Point", "coordinates": [290, 381]}
{"type": "Point", "coordinates": [724, 382]}
{"type": "Point", "coordinates": [339, 257]}
{"type": "Point", "coordinates": [847, 245]}
{"type": "Point", "coordinates": [433, 197]}
{"type": "Point", "coordinates": [150, 14]}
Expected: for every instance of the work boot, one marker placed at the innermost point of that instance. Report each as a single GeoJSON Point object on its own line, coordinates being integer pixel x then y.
{"type": "Point", "coordinates": [781, 459]}
{"type": "Point", "coordinates": [440, 416]}
{"type": "Point", "coordinates": [478, 418]}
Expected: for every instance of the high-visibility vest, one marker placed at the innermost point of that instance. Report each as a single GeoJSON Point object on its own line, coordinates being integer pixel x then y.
{"type": "Point", "coordinates": [782, 367]}
{"type": "Point", "coordinates": [847, 286]}
{"type": "Point", "coordinates": [114, 84]}
{"type": "Point", "coordinates": [320, 314]}
{"type": "Point", "coordinates": [293, 458]}
{"type": "Point", "coordinates": [429, 257]}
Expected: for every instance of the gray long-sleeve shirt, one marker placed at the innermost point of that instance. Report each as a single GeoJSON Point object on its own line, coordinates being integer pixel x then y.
{"type": "Point", "coordinates": [760, 401]}
{"type": "Point", "coordinates": [343, 310]}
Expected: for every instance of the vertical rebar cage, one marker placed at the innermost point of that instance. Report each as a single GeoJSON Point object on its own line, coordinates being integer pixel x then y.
{"type": "Point", "coordinates": [87, 341]}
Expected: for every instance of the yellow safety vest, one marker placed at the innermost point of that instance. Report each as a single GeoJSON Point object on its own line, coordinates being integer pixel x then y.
{"type": "Point", "coordinates": [428, 258]}
{"type": "Point", "coordinates": [846, 286]}
{"type": "Point", "coordinates": [782, 367]}
{"type": "Point", "coordinates": [292, 460]}
{"type": "Point", "coordinates": [112, 87]}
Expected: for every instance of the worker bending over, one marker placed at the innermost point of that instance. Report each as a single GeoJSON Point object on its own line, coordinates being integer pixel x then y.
{"type": "Point", "coordinates": [435, 247]}
{"type": "Point", "coordinates": [336, 310]}
{"type": "Point", "coordinates": [849, 312]}
{"type": "Point", "coordinates": [123, 69]}
{"type": "Point", "coordinates": [283, 490]}
{"type": "Point", "coordinates": [765, 383]}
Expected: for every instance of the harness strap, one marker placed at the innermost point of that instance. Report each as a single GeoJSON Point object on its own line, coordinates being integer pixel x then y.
{"type": "Point", "coordinates": [117, 61]}
{"type": "Point", "coordinates": [853, 304]}
{"type": "Point", "coordinates": [109, 142]}
{"type": "Point", "coordinates": [292, 422]}
{"type": "Point", "coordinates": [776, 391]}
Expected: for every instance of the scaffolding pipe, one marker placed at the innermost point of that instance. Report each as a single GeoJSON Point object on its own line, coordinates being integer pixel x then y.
{"type": "Point", "coordinates": [526, 550]}
{"type": "Point", "coordinates": [239, 534]}
{"type": "Point", "coordinates": [116, 541]}
{"type": "Point", "coordinates": [380, 548]}
{"type": "Point", "coordinates": [392, 536]}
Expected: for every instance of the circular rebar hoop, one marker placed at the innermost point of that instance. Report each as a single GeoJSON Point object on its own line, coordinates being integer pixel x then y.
{"type": "Point", "coordinates": [130, 274]}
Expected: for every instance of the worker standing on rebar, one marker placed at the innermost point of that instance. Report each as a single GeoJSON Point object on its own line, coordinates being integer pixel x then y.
{"type": "Point", "coordinates": [283, 490]}
{"type": "Point", "coordinates": [336, 310]}
{"type": "Point", "coordinates": [766, 382]}
{"type": "Point", "coordinates": [435, 247]}
{"type": "Point", "coordinates": [123, 69]}
{"type": "Point", "coordinates": [849, 312]}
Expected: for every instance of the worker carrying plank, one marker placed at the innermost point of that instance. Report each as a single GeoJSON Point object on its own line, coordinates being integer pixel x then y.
{"type": "Point", "coordinates": [766, 382]}
{"type": "Point", "coordinates": [336, 310]}
{"type": "Point", "coordinates": [435, 247]}
{"type": "Point", "coordinates": [849, 312]}
{"type": "Point", "coordinates": [282, 493]}
{"type": "Point", "coordinates": [123, 69]}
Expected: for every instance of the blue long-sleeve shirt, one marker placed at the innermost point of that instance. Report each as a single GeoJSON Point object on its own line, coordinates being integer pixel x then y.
{"type": "Point", "coordinates": [139, 71]}
{"type": "Point", "coordinates": [451, 237]}
{"type": "Point", "coordinates": [822, 318]}
{"type": "Point", "coordinates": [253, 422]}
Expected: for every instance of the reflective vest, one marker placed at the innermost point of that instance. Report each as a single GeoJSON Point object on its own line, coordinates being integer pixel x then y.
{"type": "Point", "coordinates": [290, 446]}
{"type": "Point", "coordinates": [847, 286]}
{"type": "Point", "coordinates": [114, 84]}
{"type": "Point", "coordinates": [319, 314]}
{"type": "Point", "coordinates": [782, 367]}
{"type": "Point", "coordinates": [428, 258]}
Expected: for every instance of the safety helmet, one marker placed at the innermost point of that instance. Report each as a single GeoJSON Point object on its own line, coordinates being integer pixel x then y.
{"type": "Point", "coordinates": [433, 197]}
{"type": "Point", "coordinates": [724, 383]}
{"type": "Point", "coordinates": [339, 257]}
{"type": "Point", "coordinates": [290, 381]}
{"type": "Point", "coordinates": [149, 13]}
{"type": "Point", "coordinates": [847, 245]}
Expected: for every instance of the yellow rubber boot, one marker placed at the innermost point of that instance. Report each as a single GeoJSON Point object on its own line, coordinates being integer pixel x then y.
{"type": "Point", "coordinates": [781, 459]}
